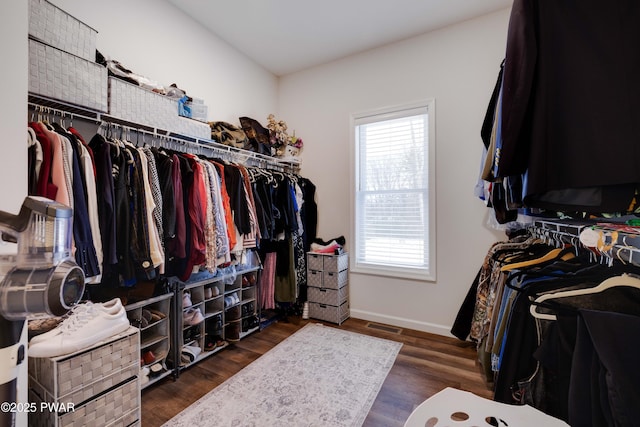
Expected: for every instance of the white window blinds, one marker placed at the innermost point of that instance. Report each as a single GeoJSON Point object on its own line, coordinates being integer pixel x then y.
{"type": "Point", "coordinates": [392, 190]}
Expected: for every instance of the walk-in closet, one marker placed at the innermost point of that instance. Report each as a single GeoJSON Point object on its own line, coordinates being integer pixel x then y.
{"type": "Point", "coordinates": [333, 214]}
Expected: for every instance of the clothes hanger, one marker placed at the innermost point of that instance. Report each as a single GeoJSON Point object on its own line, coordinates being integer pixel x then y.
{"type": "Point", "coordinates": [31, 137]}
{"type": "Point", "coordinates": [552, 255]}
{"type": "Point", "coordinates": [616, 281]}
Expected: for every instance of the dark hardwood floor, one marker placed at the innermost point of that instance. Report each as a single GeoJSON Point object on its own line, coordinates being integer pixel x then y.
{"type": "Point", "coordinates": [426, 364]}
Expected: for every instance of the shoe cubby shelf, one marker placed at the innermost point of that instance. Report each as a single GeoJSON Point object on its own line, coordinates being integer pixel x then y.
{"type": "Point", "coordinates": [211, 311]}
{"type": "Point", "coordinates": [153, 317]}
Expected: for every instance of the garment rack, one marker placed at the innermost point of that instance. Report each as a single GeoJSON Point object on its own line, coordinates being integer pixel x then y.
{"type": "Point", "coordinates": [45, 107]}
{"type": "Point", "coordinates": [616, 242]}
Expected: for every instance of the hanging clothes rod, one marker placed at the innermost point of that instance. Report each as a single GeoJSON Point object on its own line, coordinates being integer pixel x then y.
{"type": "Point", "coordinates": [43, 107]}
{"type": "Point", "coordinates": [141, 135]}
{"type": "Point", "coordinates": [201, 146]}
{"type": "Point", "coordinates": [611, 242]}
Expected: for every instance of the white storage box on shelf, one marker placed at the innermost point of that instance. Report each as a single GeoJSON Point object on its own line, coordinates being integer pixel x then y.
{"type": "Point", "coordinates": [328, 290]}
{"type": "Point", "coordinates": [62, 76]}
{"type": "Point", "coordinates": [135, 104]}
{"type": "Point", "coordinates": [145, 107]}
{"type": "Point", "coordinates": [100, 384]}
{"type": "Point", "coordinates": [55, 27]}
{"type": "Point", "coordinates": [199, 111]}
{"type": "Point", "coordinates": [191, 127]}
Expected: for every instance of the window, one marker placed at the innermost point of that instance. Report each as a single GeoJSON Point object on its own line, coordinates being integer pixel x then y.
{"type": "Point", "coordinates": [393, 201]}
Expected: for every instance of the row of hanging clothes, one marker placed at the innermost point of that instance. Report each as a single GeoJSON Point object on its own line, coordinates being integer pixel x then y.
{"type": "Point", "coordinates": [556, 330]}
{"type": "Point", "coordinates": [145, 209]}
{"type": "Point", "coordinates": [539, 156]}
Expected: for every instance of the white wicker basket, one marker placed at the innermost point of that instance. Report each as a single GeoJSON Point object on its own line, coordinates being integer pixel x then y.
{"type": "Point", "coordinates": [135, 104]}
{"type": "Point", "coordinates": [55, 27]}
{"type": "Point", "coordinates": [59, 75]}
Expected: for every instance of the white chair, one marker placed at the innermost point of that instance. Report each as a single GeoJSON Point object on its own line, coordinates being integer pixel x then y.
{"type": "Point", "coordinates": [457, 408]}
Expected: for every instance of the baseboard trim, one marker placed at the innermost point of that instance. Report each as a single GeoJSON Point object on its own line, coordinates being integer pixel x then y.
{"type": "Point", "coordinates": [402, 322]}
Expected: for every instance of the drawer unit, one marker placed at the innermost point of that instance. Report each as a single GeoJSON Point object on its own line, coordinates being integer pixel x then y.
{"type": "Point", "coordinates": [328, 296]}
{"type": "Point", "coordinates": [328, 290]}
{"type": "Point", "coordinates": [327, 262]}
{"type": "Point", "coordinates": [119, 406]}
{"type": "Point", "coordinates": [136, 104]}
{"type": "Point", "coordinates": [327, 279]}
{"type": "Point", "coordinates": [78, 379]}
{"type": "Point", "coordinates": [329, 313]}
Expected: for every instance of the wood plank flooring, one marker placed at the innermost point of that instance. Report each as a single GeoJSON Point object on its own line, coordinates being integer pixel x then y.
{"type": "Point", "coordinates": [426, 364]}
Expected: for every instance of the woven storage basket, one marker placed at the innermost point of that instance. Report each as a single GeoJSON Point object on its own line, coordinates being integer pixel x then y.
{"type": "Point", "coordinates": [335, 263]}
{"type": "Point", "coordinates": [119, 406]}
{"type": "Point", "coordinates": [329, 296]}
{"type": "Point", "coordinates": [329, 313]}
{"type": "Point", "coordinates": [191, 127]}
{"type": "Point", "coordinates": [334, 280]}
{"type": "Point", "coordinates": [327, 262]}
{"type": "Point", "coordinates": [56, 74]}
{"type": "Point", "coordinates": [314, 278]}
{"type": "Point", "coordinates": [101, 383]}
{"type": "Point", "coordinates": [79, 376]}
{"type": "Point", "coordinates": [314, 261]}
{"type": "Point", "coordinates": [55, 27]}
{"type": "Point", "coordinates": [135, 104]}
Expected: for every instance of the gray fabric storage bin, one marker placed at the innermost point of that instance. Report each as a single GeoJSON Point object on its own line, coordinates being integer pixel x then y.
{"type": "Point", "coordinates": [62, 76]}
{"type": "Point", "coordinates": [55, 27]}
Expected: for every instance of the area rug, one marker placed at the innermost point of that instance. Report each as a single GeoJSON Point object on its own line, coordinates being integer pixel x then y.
{"type": "Point", "coordinates": [319, 376]}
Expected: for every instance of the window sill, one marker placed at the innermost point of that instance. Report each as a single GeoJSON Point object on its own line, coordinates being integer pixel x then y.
{"type": "Point", "coordinates": [421, 275]}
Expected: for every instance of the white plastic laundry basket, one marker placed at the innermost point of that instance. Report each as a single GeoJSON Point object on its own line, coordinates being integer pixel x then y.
{"type": "Point", "coordinates": [457, 408]}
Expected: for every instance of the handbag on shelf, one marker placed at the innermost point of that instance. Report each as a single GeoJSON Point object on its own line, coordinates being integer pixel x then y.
{"type": "Point", "coordinates": [228, 134]}
{"type": "Point", "coordinates": [259, 136]}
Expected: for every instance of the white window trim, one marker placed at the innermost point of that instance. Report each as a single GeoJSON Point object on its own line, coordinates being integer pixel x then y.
{"type": "Point", "coordinates": [389, 271]}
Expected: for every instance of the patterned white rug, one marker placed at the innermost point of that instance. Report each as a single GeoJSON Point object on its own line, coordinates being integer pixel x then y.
{"type": "Point", "coordinates": [319, 376]}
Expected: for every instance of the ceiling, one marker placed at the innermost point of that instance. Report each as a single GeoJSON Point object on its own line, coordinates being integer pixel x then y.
{"type": "Point", "coordinates": [285, 36]}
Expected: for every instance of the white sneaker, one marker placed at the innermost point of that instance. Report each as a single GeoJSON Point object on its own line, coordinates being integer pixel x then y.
{"type": "Point", "coordinates": [186, 300]}
{"type": "Point", "coordinates": [82, 330]}
{"type": "Point", "coordinates": [191, 351]}
{"type": "Point", "coordinates": [192, 316]}
{"type": "Point", "coordinates": [113, 306]}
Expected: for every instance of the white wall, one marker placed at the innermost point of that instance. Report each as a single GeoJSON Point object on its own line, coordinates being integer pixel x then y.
{"type": "Point", "coordinates": [156, 40]}
{"type": "Point", "coordinates": [13, 108]}
{"type": "Point", "coordinates": [13, 113]}
{"type": "Point", "coordinates": [457, 66]}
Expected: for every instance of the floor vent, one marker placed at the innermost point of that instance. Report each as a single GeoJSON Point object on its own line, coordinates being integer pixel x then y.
{"type": "Point", "coordinates": [385, 328]}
